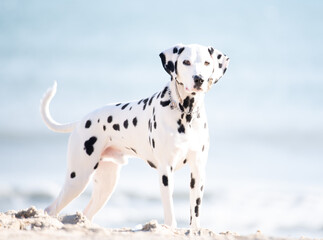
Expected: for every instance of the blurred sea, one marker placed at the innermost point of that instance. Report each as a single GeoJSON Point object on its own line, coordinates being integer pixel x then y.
{"type": "Point", "coordinates": [265, 168]}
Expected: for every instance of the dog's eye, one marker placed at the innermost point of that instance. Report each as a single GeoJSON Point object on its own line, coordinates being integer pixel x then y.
{"type": "Point", "coordinates": [186, 62]}
{"type": "Point", "coordinates": [206, 63]}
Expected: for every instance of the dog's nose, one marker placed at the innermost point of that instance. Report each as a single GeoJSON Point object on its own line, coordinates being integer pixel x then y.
{"type": "Point", "coordinates": [198, 81]}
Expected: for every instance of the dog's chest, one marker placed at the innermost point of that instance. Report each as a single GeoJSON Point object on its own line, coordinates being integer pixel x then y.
{"type": "Point", "coordinates": [179, 132]}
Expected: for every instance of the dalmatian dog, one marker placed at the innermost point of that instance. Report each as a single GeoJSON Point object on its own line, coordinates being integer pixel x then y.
{"type": "Point", "coordinates": [167, 130]}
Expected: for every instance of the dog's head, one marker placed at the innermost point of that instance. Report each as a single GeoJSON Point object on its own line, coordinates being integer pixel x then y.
{"type": "Point", "coordinates": [194, 66]}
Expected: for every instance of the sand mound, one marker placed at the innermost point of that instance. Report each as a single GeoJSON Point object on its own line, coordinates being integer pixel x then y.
{"type": "Point", "coordinates": [35, 224]}
{"type": "Point", "coordinates": [30, 219]}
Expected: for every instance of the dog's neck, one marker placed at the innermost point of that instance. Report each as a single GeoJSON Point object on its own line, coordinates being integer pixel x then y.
{"type": "Point", "coordinates": [189, 103]}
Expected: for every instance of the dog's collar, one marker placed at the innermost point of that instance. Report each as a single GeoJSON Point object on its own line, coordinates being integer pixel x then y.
{"type": "Point", "coordinates": [179, 106]}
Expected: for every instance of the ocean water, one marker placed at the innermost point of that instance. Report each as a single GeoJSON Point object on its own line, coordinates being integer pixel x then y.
{"type": "Point", "coordinates": [265, 115]}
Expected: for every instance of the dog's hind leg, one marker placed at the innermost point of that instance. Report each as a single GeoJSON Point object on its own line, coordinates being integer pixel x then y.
{"type": "Point", "coordinates": [105, 179]}
{"type": "Point", "coordinates": [79, 169]}
{"type": "Point", "coordinates": [72, 188]}
{"type": "Point", "coordinates": [104, 182]}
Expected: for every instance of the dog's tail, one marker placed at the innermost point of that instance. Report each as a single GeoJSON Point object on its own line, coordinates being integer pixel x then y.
{"type": "Point", "coordinates": [49, 121]}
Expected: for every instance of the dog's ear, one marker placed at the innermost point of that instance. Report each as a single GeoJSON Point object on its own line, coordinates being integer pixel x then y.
{"type": "Point", "coordinates": [169, 59]}
{"type": "Point", "coordinates": [220, 64]}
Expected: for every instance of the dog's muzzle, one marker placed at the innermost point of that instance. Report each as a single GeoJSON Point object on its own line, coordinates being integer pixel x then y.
{"type": "Point", "coordinates": [198, 81]}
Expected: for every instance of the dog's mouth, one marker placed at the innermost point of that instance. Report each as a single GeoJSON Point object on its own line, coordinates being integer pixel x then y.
{"type": "Point", "coordinates": [198, 89]}
{"type": "Point", "coordinates": [194, 90]}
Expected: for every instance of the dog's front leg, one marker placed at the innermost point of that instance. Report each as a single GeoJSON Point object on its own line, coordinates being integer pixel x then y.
{"type": "Point", "coordinates": [197, 164]}
{"type": "Point", "coordinates": [166, 182]}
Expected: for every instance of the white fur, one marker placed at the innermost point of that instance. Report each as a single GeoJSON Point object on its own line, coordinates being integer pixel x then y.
{"type": "Point", "coordinates": [167, 130]}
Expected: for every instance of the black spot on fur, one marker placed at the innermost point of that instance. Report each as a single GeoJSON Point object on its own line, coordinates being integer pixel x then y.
{"type": "Point", "coordinates": [219, 56]}
{"type": "Point", "coordinates": [88, 145]}
{"type": "Point", "coordinates": [181, 50]}
{"type": "Point", "coordinates": [88, 124]}
{"type": "Point", "coordinates": [145, 103]}
{"type": "Point", "coordinates": [125, 124]}
{"type": "Point", "coordinates": [224, 70]}
{"type": "Point", "coordinates": [191, 103]}
{"type": "Point", "coordinates": [135, 121]}
{"type": "Point", "coordinates": [96, 166]}
{"type": "Point", "coordinates": [118, 104]}
{"type": "Point", "coordinates": [203, 148]}
{"type": "Point", "coordinates": [171, 168]}
{"type": "Point", "coordinates": [110, 119]}
{"type": "Point", "coordinates": [188, 117]}
{"type": "Point", "coordinates": [170, 66]}
{"type": "Point", "coordinates": [165, 103]}
{"type": "Point", "coordinates": [73, 175]}
{"type": "Point", "coordinates": [158, 95]}
{"type": "Point", "coordinates": [166, 66]}
{"type": "Point", "coordinates": [220, 65]}
{"type": "Point", "coordinates": [211, 50]}
{"type": "Point", "coordinates": [188, 103]}
{"type": "Point", "coordinates": [116, 127]}
{"type": "Point", "coordinates": [149, 125]}
{"type": "Point", "coordinates": [196, 210]}
{"type": "Point", "coordinates": [104, 128]}
{"type": "Point", "coordinates": [151, 99]}
{"type": "Point", "coordinates": [185, 160]}
{"type": "Point", "coordinates": [140, 101]}
{"type": "Point", "coordinates": [124, 106]}
{"type": "Point", "coordinates": [192, 181]}
{"type": "Point", "coordinates": [181, 128]}
{"type": "Point", "coordinates": [198, 201]}
{"type": "Point", "coordinates": [176, 67]}
{"type": "Point", "coordinates": [164, 92]}
{"type": "Point", "coordinates": [181, 107]}
{"type": "Point", "coordinates": [202, 188]}
{"type": "Point", "coordinates": [155, 125]}
{"type": "Point", "coordinates": [151, 164]}
{"type": "Point", "coordinates": [175, 50]}
{"type": "Point", "coordinates": [153, 143]}
{"type": "Point", "coordinates": [163, 58]}
{"type": "Point", "coordinates": [165, 180]}
{"type": "Point", "coordinates": [132, 149]}
{"type": "Point", "coordinates": [98, 120]}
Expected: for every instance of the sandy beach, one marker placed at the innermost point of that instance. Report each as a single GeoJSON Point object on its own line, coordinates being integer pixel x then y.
{"type": "Point", "coordinates": [35, 224]}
